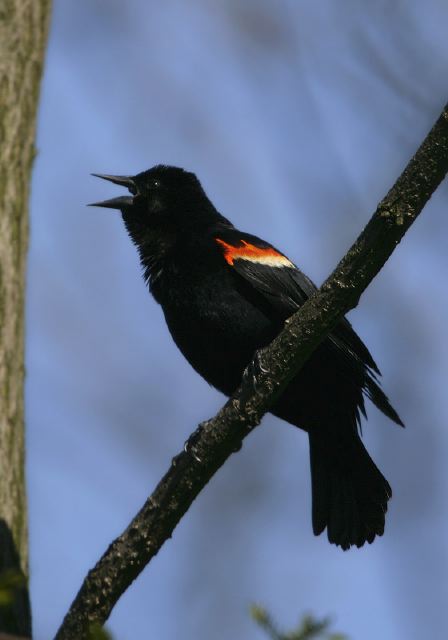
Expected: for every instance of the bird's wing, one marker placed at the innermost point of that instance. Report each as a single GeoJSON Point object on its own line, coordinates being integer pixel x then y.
{"type": "Point", "coordinates": [285, 288]}
{"type": "Point", "coordinates": [283, 285]}
{"type": "Point", "coordinates": [269, 272]}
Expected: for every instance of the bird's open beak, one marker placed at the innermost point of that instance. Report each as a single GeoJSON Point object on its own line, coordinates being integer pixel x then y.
{"type": "Point", "coordinates": [122, 202]}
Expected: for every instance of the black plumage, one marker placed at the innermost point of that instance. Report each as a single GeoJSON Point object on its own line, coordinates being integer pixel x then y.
{"type": "Point", "coordinates": [226, 294]}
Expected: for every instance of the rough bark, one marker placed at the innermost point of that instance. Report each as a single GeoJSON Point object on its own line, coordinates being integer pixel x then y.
{"type": "Point", "coordinates": [23, 33]}
{"type": "Point", "coordinates": [215, 440]}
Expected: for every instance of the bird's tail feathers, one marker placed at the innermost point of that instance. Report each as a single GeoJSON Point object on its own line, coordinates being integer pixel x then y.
{"type": "Point", "coordinates": [349, 493]}
{"type": "Point", "coordinates": [374, 392]}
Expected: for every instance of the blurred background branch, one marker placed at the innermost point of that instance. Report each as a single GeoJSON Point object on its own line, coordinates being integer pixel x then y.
{"type": "Point", "coordinates": [309, 628]}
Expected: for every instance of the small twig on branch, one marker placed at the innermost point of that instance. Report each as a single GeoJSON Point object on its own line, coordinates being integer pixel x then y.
{"type": "Point", "coordinates": [216, 439]}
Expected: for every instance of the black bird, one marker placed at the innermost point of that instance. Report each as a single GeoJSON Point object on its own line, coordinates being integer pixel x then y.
{"type": "Point", "coordinates": [225, 294]}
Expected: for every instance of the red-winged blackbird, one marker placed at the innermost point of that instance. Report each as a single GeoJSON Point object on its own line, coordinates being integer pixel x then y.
{"type": "Point", "coordinates": [225, 294]}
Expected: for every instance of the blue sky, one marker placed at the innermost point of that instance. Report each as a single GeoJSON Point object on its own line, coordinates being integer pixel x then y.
{"type": "Point", "coordinates": [297, 118]}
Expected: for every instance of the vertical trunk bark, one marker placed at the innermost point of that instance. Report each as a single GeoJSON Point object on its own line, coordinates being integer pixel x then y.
{"type": "Point", "coordinates": [23, 34]}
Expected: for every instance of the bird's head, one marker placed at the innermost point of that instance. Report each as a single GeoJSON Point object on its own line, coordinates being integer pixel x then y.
{"type": "Point", "coordinates": [163, 200]}
{"type": "Point", "coordinates": [166, 206]}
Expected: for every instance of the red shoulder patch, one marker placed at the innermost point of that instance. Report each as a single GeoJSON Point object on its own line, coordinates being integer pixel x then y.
{"type": "Point", "coordinates": [252, 253]}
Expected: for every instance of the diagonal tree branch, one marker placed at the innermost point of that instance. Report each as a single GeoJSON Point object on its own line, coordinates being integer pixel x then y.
{"type": "Point", "coordinates": [216, 439]}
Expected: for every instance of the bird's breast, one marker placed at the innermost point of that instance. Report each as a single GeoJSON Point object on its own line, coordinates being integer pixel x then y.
{"type": "Point", "coordinates": [216, 328]}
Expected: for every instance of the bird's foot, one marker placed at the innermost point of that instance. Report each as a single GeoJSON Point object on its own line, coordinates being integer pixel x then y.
{"type": "Point", "coordinates": [190, 443]}
{"type": "Point", "coordinates": [256, 367]}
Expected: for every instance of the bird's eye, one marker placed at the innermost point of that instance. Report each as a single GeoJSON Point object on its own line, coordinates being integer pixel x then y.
{"type": "Point", "coordinates": [156, 184]}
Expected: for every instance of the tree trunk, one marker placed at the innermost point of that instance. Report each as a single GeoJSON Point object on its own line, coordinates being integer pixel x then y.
{"type": "Point", "coordinates": [23, 33]}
